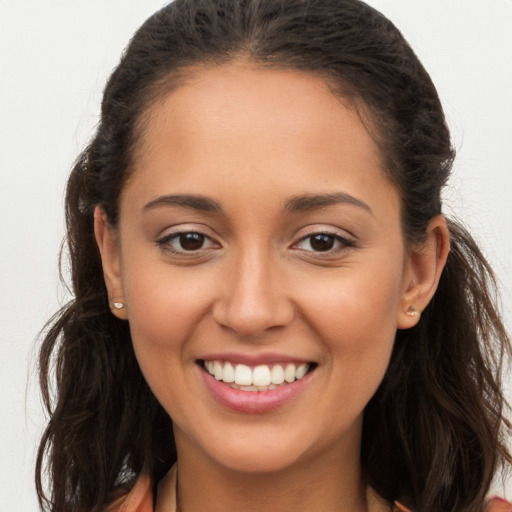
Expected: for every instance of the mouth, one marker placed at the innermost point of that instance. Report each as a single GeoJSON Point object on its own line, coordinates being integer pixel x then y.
{"type": "Point", "coordinates": [257, 378]}
{"type": "Point", "coordinates": [249, 383]}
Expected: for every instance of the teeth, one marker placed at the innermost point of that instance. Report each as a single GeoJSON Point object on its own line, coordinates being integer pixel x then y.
{"type": "Point", "coordinates": [289, 373]}
{"type": "Point", "coordinates": [254, 388]}
{"type": "Point", "coordinates": [301, 370]}
{"type": "Point", "coordinates": [217, 370]}
{"type": "Point", "coordinates": [248, 388]}
{"type": "Point", "coordinates": [260, 378]}
{"type": "Point", "coordinates": [277, 374]}
{"type": "Point", "coordinates": [228, 373]}
{"type": "Point", "coordinates": [243, 375]}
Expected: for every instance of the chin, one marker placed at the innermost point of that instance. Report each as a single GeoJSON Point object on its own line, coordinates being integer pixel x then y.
{"type": "Point", "coordinates": [258, 461]}
{"type": "Point", "coordinates": [255, 450]}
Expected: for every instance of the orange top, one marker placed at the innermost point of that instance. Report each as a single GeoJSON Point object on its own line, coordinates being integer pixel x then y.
{"type": "Point", "coordinates": [140, 499]}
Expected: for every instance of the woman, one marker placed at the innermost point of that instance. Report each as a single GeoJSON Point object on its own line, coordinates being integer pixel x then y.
{"type": "Point", "coordinates": [270, 307]}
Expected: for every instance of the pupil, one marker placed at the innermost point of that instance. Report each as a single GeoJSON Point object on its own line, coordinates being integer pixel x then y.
{"type": "Point", "coordinates": [191, 241]}
{"type": "Point", "coordinates": [322, 242]}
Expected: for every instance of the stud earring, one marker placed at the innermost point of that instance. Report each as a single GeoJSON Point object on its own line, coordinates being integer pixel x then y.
{"type": "Point", "coordinates": [117, 304]}
{"type": "Point", "coordinates": [412, 311]}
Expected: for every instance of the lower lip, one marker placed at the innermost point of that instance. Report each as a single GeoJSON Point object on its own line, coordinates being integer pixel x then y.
{"type": "Point", "coordinates": [254, 401]}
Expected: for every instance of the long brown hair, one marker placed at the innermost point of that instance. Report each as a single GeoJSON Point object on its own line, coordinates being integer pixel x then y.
{"type": "Point", "coordinates": [433, 432]}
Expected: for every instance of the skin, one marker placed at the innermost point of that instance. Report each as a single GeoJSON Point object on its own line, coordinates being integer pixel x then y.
{"type": "Point", "coordinates": [252, 139]}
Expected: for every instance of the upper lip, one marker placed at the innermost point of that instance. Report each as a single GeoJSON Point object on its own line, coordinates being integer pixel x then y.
{"type": "Point", "coordinates": [254, 359]}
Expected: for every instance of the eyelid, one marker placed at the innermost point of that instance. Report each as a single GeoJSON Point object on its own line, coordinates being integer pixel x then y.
{"type": "Point", "coordinates": [347, 242]}
{"type": "Point", "coordinates": [163, 240]}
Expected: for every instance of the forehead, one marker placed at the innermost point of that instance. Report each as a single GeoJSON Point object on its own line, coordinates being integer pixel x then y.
{"type": "Point", "coordinates": [271, 127]}
{"type": "Point", "coordinates": [250, 96]}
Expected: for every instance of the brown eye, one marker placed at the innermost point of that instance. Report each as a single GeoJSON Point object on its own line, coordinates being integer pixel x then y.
{"type": "Point", "coordinates": [322, 242]}
{"type": "Point", "coordinates": [191, 241]}
{"type": "Point", "coordinates": [187, 242]}
{"type": "Point", "coordinates": [325, 242]}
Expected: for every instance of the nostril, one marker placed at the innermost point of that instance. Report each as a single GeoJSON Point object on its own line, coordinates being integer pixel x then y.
{"type": "Point", "coordinates": [250, 308]}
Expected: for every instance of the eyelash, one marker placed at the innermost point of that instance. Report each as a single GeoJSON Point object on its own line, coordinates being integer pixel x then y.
{"type": "Point", "coordinates": [166, 243]}
{"type": "Point", "coordinates": [344, 243]}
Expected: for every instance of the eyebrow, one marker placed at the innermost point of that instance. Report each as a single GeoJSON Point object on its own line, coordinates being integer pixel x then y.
{"type": "Point", "coordinates": [195, 202]}
{"type": "Point", "coordinates": [295, 204]}
{"type": "Point", "coordinates": [308, 202]}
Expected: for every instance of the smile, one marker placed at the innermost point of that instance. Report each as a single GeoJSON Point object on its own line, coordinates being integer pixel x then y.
{"type": "Point", "coordinates": [255, 387]}
{"type": "Point", "coordinates": [259, 378]}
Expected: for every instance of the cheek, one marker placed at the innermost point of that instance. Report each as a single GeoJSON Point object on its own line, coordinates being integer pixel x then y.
{"type": "Point", "coordinates": [356, 303]}
{"type": "Point", "coordinates": [355, 317]}
{"type": "Point", "coordinates": [164, 305]}
{"type": "Point", "coordinates": [165, 308]}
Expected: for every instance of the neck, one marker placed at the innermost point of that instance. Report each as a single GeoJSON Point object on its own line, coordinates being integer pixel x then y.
{"type": "Point", "coordinates": [328, 482]}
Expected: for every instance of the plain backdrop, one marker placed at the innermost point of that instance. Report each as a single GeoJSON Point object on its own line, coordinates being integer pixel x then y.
{"type": "Point", "coordinates": [54, 59]}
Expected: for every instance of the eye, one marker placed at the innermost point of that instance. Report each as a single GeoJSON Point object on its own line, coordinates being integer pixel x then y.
{"type": "Point", "coordinates": [323, 243]}
{"type": "Point", "coordinates": [187, 242]}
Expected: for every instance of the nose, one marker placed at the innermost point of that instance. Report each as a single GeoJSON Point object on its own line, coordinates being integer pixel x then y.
{"type": "Point", "coordinates": [253, 296]}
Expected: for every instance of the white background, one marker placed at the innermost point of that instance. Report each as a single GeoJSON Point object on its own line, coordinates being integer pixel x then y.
{"type": "Point", "coordinates": [54, 59]}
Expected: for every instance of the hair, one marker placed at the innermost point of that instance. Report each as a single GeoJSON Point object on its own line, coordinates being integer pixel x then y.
{"type": "Point", "coordinates": [433, 434]}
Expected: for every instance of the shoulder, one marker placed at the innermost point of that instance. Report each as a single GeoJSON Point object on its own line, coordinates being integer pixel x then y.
{"type": "Point", "coordinates": [138, 499]}
{"type": "Point", "coordinates": [499, 505]}
{"type": "Point", "coordinates": [493, 505]}
{"type": "Point", "coordinates": [378, 504]}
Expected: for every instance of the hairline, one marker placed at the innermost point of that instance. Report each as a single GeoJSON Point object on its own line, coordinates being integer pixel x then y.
{"type": "Point", "coordinates": [167, 83]}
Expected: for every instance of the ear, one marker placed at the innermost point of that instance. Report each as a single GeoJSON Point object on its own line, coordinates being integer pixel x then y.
{"type": "Point", "coordinates": [111, 260]}
{"type": "Point", "coordinates": [422, 272]}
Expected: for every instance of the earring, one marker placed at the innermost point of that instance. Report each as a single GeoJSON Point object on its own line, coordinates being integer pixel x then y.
{"type": "Point", "coordinates": [412, 311]}
{"type": "Point", "coordinates": [117, 304]}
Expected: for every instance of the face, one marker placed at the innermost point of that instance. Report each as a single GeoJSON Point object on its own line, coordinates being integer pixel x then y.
{"type": "Point", "coordinates": [260, 256]}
